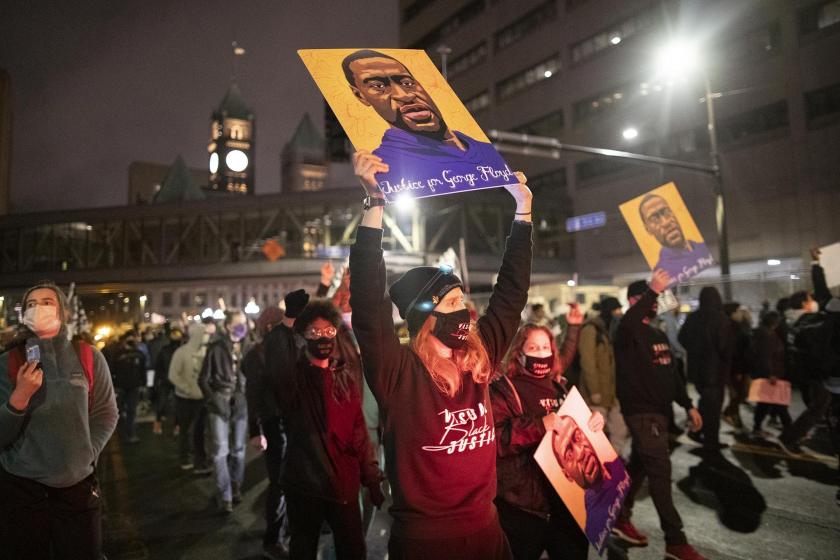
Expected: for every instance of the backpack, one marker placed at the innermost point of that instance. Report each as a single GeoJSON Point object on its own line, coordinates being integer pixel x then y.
{"type": "Point", "coordinates": [84, 351]}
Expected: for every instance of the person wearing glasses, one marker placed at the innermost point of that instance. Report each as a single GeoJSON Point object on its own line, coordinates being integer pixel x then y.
{"type": "Point", "coordinates": [680, 257]}
{"type": "Point", "coordinates": [438, 429]}
{"type": "Point", "coordinates": [329, 455]}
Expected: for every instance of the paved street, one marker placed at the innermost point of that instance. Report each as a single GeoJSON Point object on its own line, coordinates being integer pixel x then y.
{"type": "Point", "coordinates": [757, 504]}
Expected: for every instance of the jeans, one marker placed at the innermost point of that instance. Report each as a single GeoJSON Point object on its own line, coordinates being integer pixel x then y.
{"type": "Point", "coordinates": [307, 513]}
{"type": "Point", "coordinates": [227, 451]}
{"type": "Point", "coordinates": [489, 543]}
{"type": "Point", "coordinates": [711, 402]}
{"type": "Point", "coordinates": [189, 414]}
{"type": "Point", "coordinates": [276, 520]}
{"type": "Point", "coordinates": [127, 401]}
{"type": "Point", "coordinates": [35, 518]}
{"type": "Point", "coordinates": [529, 535]}
{"type": "Point", "coordinates": [651, 458]}
{"type": "Point", "coordinates": [818, 403]}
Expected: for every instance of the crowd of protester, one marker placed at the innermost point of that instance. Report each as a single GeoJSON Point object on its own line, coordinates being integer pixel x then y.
{"type": "Point", "coordinates": [350, 409]}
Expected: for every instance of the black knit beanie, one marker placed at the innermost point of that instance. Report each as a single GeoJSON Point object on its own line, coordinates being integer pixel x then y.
{"type": "Point", "coordinates": [637, 288]}
{"type": "Point", "coordinates": [295, 302]}
{"type": "Point", "coordinates": [419, 290]}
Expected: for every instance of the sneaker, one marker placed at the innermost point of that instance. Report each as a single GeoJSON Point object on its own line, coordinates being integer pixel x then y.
{"type": "Point", "coordinates": [627, 532]}
{"type": "Point", "coordinates": [236, 495]}
{"type": "Point", "coordinates": [226, 507]}
{"type": "Point", "coordinates": [187, 466]}
{"type": "Point", "coordinates": [202, 470]}
{"type": "Point", "coordinates": [277, 551]}
{"type": "Point", "coordinates": [682, 552]}
{"type": "Point", "coordinates": [789, 446]}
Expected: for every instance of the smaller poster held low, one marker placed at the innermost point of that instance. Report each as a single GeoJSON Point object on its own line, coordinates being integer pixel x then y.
{"type": "Point", "coordinates": [585, 470]}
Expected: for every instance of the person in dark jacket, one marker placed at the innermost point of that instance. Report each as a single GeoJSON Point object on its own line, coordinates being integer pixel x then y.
{"type": "Point", "coordinates": [769, 364]}
{"type": "Point", "coordinates": [329, 454]}
{"type": "Point", "coordinates": [525, 401]}
{"type": "Point", "coordinates": [129, 372]}
{"type": "Point", "coordinates": [265, 429]}
{"type": "Point", "coordinates": [743, 357]}
{"type": "Point", "coordinates": [438, 429]}
{"type": "Point", "coordinates": [223, 386]}
{"type": "Point", "coordinates": [647, 382]}
{"type": "Point", "coordinates": [163, 387]}
{"type": "Point", "coordinates": [709, 342]}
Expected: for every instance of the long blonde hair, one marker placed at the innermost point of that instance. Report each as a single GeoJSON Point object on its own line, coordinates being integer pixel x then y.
{"type": "Point", "coordinates": [447, 372]}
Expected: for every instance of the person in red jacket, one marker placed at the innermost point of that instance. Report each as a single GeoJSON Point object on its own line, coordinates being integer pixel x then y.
{"type": "Point", "coordinates": [438, 429]}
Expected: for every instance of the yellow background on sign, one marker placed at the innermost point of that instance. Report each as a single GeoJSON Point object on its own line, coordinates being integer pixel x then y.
{"type": "Point", "coordinates": [361, 123]}
{"type": "Point", "coordinates": [647, 243]}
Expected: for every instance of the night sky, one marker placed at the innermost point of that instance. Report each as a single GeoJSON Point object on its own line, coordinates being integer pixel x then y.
{"type": "Point", "coordinates": [99, 84]}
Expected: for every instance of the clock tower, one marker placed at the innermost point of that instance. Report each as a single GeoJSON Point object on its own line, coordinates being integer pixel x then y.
{"type": "Point", "coordinates": [231, 146]}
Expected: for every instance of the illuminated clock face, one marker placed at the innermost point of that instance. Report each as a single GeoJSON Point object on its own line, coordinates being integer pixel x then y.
{"type": "Point", "coordinates": [214, 162]}
{"type": "Point", "coordinates": [236, 160]}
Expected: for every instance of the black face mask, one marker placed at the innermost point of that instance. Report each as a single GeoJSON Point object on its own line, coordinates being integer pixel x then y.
{"type": "Point", "coordinates": [452, 328]}
{"type": "Point", "coordinates": [538, 367]}
{"type": "Point", "coordinates": [320, 348]}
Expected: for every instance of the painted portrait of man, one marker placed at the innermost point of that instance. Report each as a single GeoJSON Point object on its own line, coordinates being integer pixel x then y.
{"type": "Point", "coordinates": [418, 143]}
{"type": "Point", "coordinates": [601, 482]}
{"type": "Point", "coordinates": [679, 256]}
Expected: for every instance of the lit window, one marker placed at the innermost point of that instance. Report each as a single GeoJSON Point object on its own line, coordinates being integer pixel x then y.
{"type": "Point", "coordinates": [526, 24]}
{"type": "Point", "coordinates": [616, 34]}
{"type": "Point", "coordinates": [478, 102]}
{"type": "Point", "coordinates": [472, 57]}
{"type": "Point", "coordinates": [518, 82]}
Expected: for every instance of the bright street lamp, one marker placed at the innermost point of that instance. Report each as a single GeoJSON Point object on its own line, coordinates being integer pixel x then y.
{"type": "Point", "coordinates": [405, 203]}
{"type": "Point", "coordinates": [630, 133]}
{"type": "Point", "coordinates": [675, 60]}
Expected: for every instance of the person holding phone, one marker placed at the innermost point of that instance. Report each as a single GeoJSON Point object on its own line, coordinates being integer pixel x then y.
{"type": "Point", "coordinates": [57, 412]}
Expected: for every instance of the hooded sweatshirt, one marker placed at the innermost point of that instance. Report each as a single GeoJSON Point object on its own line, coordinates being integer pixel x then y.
{"type": "Point", "coordinates": [186, 364]}
{"type": "Point", "coordinates": [57, 440]}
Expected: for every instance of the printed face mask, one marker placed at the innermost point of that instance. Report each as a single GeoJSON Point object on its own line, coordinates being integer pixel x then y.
{"type": "Point", "coordinates": [452, 328]}
{"type": "Point", "coordinates": [538, 367]}
{"type": "Point", "coordinates": [320, 348]}
{"type": "Point", "coordinates": [42, 319]}
{"type": "Point", "coordinates": [238, 331]}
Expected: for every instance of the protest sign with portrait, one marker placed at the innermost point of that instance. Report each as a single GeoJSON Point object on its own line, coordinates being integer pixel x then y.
{"type": "Point", "coordinates": [584, 469]}
{"type": "Point", "coordinates": [666, 233]}
{"type": "Point", "coordinates": [396, 104]}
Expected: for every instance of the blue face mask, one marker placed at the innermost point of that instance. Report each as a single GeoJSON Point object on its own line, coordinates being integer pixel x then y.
{"type": "Point", "coordinates": [238, 331]}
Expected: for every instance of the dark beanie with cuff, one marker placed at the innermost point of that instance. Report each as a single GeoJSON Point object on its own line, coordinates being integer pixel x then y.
{"type": "Point", "coordinates": [415, 306]}
{"type": "Point", "coordinates": [295, 302]}
{"type": "Point", "coordinates": [637, 288]}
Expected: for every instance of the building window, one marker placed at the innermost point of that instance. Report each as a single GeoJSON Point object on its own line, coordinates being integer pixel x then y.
{"type": "Point", "coordinates": [525, 79]}
{"type": "Point", "coordinates": [236, 132]}
{"type": "Point", "coordinates": [166, 299]}
{"type": "Point", "coordinates": [472, 57]}
{"type": "Point", "coordinates": [458, 19]}
{"type": "Point", "coordinates": [822, 102]}
{"type": "Point", "coordinates": [185, 299]}
{"type": "Point", "coordinates": [478, 102]}
{"type": "Point", "coordinates": [597, 167]}
{"type": "Point", "coordinates": [819, 16]}
{"type": "Point", "coordinates": [616, 34]}
{"type": "Point", "coordinates": [526, 24]}
{"type": "Point", "coordinates": [547, 125]}
{"type": "Point", "coordinates": [585, 109]}
{"type": "Point", "coordinates": [753, 44]}
{"type": "Point", "coordinates": [684, 142]}
{"type": "Point", "coordinates": [414, 9]}
{"type": "Point", "coordinates": [554, 180]}
{"type": "Point", "coordinates": [764, 119]}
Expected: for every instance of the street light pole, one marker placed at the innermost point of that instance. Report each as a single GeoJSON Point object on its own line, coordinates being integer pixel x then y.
{"type": "Point", "coordinates": [720, 202]}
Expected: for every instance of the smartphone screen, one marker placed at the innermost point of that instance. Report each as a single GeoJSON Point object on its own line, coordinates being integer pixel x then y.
{"type": "Point", "coordinates": [33, 353]}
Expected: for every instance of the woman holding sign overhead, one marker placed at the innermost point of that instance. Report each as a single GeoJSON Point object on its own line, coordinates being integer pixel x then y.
{"type": "Point", "coordinates": [439, 434]}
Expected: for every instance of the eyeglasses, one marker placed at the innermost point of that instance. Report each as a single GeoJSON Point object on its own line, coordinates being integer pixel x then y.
{"type": "Point", "coordinates": [327, 332]}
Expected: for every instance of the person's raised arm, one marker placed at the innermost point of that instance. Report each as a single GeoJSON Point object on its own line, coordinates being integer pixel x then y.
{"type": "Point", "coordinates": [639, 310]}
{"type": "Point", "coordinates": [510, 293]}
{"type": "Point", "coordinates": [574, 320]}
{"type": "Point", "coordinates": [821, 292]}
{"type": "Point", "coordinates": [373, 323]}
